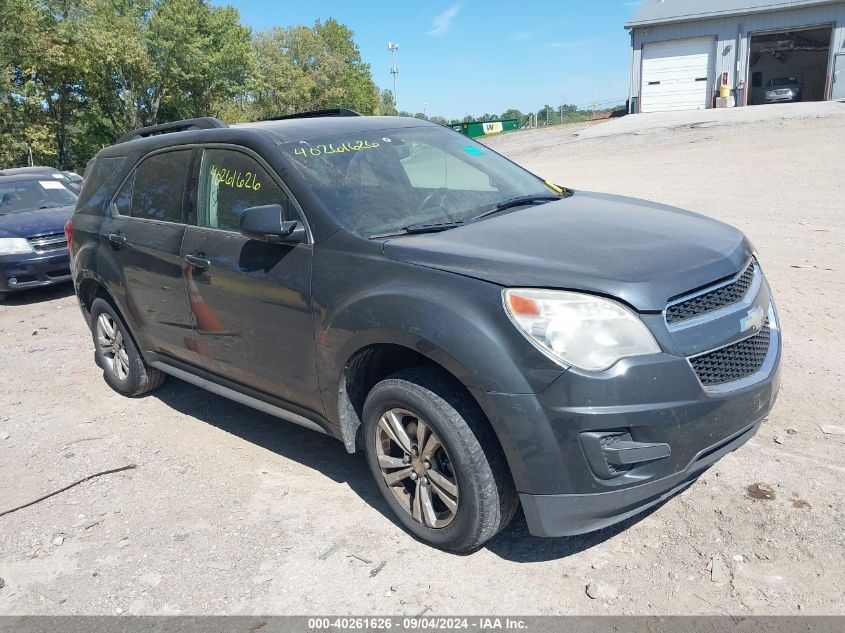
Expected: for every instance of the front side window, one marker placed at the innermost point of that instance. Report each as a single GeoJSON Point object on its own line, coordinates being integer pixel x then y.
{"type": "Point", "coordinates": [380, 181]}
{"type": "Point", "coordinates": [230, 182]}
{"type": "Point", "coordinates": [156, 189]}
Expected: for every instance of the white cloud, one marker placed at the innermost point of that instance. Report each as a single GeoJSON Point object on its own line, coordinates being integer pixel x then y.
{"type": "Point", "coordinates": [442, 22]}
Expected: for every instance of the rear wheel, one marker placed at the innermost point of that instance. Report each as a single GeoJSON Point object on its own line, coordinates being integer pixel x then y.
{"type": "Point", "coordinates": [2, 297]}
{"type": "Point", "coordinates": [123, 368]}
{"type": "Point", "coordinates": [436, 461]}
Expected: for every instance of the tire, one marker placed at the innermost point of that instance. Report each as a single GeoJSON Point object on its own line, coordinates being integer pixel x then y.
{"type": "Point", "coordinates": [469, 458]}
{"type": "Point", "coordinates": [123, 369]}
{"type": "Point", "coordinates": [2, 297]}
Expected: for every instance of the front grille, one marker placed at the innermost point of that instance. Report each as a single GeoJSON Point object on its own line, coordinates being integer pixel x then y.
{"type": "Point", "coordinates": [733, 362]}
{"type": "Point", "coordinates": [48, 243]}
{"type": "Point", "coordinates": [720, 297]}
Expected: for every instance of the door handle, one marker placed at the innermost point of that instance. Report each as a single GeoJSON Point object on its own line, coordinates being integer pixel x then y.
{"type": "Point", "coordinates": [198, 261]}
{"type": "Point", "coordinates": [117, 239]}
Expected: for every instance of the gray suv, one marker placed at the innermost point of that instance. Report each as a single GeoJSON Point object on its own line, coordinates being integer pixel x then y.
{"type": "Point", "coordinates": [488, 339]}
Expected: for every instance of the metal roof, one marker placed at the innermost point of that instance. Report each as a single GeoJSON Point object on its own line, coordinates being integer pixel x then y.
{"type": "Point", "coordinates": [652, 12]}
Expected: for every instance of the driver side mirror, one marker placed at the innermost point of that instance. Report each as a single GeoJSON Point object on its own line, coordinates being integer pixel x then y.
{"type": "Point", "coordinates": [265, 224]}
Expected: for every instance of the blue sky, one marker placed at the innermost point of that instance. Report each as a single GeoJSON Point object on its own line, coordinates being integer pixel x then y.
{"type": "Point", "coordinates": [472, 56]}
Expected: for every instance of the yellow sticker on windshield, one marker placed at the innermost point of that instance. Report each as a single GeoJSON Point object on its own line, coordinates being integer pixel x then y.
{"type": "Point", "coordinates": [553, 187]}
{"type": "Point", "coordinates": [330, 148]}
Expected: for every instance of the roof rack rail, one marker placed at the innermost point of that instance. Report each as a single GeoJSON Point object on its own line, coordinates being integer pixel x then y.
{"type": "Point", "coordinates": [311, 114]}
{"type": "Point", "coordinates": [202, 123]}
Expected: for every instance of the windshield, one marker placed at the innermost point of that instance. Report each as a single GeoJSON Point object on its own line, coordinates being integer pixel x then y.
{"type": "Point", "coordinates": [786, 81]}
{"type": "Point", "coordinates": [26, 195]}
{"type": "Point", "coordinates": [382, 181]}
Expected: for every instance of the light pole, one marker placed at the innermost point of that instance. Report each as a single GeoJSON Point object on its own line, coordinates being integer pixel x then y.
{"type": "Point", "coordinates": [393, 47]}
{"type": "Point", "coordinates": [425, 105]}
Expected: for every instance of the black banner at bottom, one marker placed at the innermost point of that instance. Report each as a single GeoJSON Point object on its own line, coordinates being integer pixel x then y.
{"type": "Point", "coordinates": [425, 623]}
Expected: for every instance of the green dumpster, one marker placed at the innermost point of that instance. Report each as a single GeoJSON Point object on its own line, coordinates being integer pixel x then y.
{"type": "Point", "coordinates": [474, 129]}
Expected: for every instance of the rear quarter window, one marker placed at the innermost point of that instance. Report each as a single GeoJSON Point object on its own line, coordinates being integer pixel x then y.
{"type": "Point", "coordinates": [96, 173]}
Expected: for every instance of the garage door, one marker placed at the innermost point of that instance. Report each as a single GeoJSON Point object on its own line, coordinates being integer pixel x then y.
{"type": "Point", "coordinates": [677, 75]}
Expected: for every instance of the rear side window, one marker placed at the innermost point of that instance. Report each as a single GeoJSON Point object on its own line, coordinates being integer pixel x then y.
{"type": "Point", "coordinates": [156, 189]}
{"type": "Point", "coordinates": [231, 181]}
{"type": "Point", "coordinates": [96, 172]}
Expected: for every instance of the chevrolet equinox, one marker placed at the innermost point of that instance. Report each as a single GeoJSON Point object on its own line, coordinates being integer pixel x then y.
{"type": "Point", "coordinates": [488, 339]}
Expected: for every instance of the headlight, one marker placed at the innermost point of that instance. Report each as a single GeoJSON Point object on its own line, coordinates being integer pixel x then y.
{"type": "Point", "coordinates": [14, 246]}
{"type": "Point", "coordinates": [577, 329]}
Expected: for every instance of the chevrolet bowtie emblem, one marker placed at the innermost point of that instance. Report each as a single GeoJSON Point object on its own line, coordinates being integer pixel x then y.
{"type": "Point", "coordinates": [754, 320]}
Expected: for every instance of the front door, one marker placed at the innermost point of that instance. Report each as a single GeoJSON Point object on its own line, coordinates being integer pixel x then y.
{"type": "Point", "coordinates": [140, 253]}
{"type": "Point", "coordinates": [251, 300]}
{"type": "Point", "coordinates": [839, 77]}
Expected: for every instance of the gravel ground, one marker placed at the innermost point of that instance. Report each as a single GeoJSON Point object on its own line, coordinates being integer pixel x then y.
{"type": "Point", "coordinates": [233, 512]}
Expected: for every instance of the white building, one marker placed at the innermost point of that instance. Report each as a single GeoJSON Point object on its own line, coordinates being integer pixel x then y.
{"type": "Point", "coordinates": [683, 50]}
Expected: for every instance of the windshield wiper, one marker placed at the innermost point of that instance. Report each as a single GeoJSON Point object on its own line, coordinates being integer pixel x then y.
{"type": "Point", "coordinates": [416, 229]}
{"type": "Point", "coordinates": [517, 202]}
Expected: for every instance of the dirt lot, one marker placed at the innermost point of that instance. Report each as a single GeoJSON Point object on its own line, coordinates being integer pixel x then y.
{"type": "Point", "coordinates": [231, 511]}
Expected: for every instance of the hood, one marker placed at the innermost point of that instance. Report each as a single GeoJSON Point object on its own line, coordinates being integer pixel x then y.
{"type": "Point", "coordinates": [36, 222]}
{"type": "Point", "coordinates": [640, 252]}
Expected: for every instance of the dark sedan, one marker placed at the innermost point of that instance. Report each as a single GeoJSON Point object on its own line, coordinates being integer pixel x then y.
{"type": "Point", "coordinates": [33, 246]}
{"type": "Point", "coordinates": [74, 184]}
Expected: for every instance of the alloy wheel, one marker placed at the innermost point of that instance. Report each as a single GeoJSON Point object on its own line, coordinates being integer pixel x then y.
{"type": "Point", "coordinates": [112, 346]}
{"type": "Point", "coordinates": [416, 468]}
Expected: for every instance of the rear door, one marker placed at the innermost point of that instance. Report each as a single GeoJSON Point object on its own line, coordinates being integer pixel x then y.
{"type": "Point", "coordinates": [251, 300]}
{"type": "Point", "coordinates": [140, 253]}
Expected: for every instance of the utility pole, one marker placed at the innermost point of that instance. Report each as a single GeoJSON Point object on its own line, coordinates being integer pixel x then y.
{"type": "Point", "coordinates": [393, 47]}
{"type": "Point", "coordinates": [561, 109]}
{"type": "Point", "coordinates": [425, 105]}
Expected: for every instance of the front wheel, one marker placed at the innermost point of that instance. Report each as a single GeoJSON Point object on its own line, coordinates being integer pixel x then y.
{"type": "Point", "coordinates": [436, 461]}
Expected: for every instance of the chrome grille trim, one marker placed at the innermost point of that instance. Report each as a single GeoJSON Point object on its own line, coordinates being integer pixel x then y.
{"type": "Point", "coordinates": [711, 315]}
{"type": "Point", "coordinates": [773, 327]}
{"type": "Point", "coordinates": [48, 243]}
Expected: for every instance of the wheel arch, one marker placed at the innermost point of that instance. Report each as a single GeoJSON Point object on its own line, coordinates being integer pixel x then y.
{"type": "Point", "coordinates": [374, 361]}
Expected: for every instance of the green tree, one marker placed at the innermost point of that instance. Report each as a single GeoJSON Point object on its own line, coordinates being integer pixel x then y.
{"type": "Point", "coordinates": [301, 68]}
{"type": "Point", "coordinates": [75, 74]}
{"type": "Point", "coordinates": [513, 113]}
{"type": "Point", "coordinates": [387, 103]}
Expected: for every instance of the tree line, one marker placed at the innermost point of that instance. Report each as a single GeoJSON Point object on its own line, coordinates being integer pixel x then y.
{"type": "Point", "coordinates": [76, 74]}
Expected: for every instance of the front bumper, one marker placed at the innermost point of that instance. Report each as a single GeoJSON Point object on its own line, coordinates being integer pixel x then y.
{"type": "Point", "coordinates": [21, 272]}
{"type": "Point", "coordinates": [783, 98]}
{"type": "Point", "coordinates": [559, 443]}
{"type": "Point", "coordinates": [569, 515]}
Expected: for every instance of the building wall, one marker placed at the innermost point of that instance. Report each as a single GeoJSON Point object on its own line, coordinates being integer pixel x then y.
{"type": "Point", "coordinates": [733, 41]}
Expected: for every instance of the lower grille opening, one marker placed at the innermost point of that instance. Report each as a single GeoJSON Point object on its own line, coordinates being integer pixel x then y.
{"type": "Point", "coordinates": [733, 362]}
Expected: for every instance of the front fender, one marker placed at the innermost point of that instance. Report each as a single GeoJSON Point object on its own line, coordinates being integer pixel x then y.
{"type": "Point", "coordinates": [457, 322]}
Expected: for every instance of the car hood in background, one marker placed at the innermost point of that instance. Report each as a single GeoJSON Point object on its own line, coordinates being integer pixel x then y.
{"type": "Point", "coordinates": [640, 252]}
{"type": "Point", "coordinates": [35, 223]}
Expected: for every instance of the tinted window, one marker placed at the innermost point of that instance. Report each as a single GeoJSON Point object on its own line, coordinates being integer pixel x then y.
{"type": "Point", "coordinates": [123, 202]}
{"type": "Point", "coordinates": [96, 172]}
{"type": "Point", "coordinates": [158, 187]}
{"type": "Point", "coordinates": [231, 181]}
